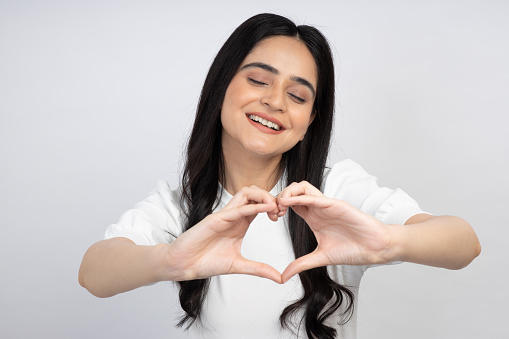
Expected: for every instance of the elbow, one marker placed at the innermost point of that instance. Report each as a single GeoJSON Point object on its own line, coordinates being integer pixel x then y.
{"type": "Point", "coordinates": [472, 244]}
{"type": "Point", "coordinates": [85, 283]}
{"type": "Point", "coordinates": [98, 294]}
{"type": "Point", "coordinates": [477, 250]}
{"type": "Point", "coordinates": [474, 253]}
{"type": "Point", "coordinates": [81, 275]}
{"type": "Point", "coordinates": [81, 280]}
{"type": "Point", "coordinates": [476, 245]}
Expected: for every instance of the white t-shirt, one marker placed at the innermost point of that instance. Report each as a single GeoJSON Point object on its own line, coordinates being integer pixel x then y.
{"type": "Point", "coordinates": [243, 306]}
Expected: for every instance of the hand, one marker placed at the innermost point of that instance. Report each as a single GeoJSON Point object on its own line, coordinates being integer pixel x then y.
{"type": "Point", "coordinates": [212, 247]}
{"type": "Point", "coordinates": [345, 235]}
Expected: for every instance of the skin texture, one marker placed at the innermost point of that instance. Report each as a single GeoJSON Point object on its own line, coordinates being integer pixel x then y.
{"type": "Point", "coordinates": [274, 95]}
{"type": "Point", "coordinates": [254, 89]}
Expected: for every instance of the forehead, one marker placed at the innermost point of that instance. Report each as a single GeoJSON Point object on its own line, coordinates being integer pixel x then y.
{"type": "Point", "coordinates": [288, 55]}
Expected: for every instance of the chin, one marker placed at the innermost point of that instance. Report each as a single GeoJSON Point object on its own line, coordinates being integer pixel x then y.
{"type": "Point", "coordinates": [262, 150]}
{"type": "Point", "coordinates": [266, 153]}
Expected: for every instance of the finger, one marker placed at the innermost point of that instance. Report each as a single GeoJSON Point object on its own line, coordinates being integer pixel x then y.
{"type": "Point", "coordinates": [273, 216]}
{"type": "Point", "coordinates": [334, 208]}
{"type": "Point", "coordinates": [306, 200]}
{"type": "Point", "coordinates": [246, 211]}
{"type": "Point", "coordinates": [301, 188]}
{"type": "Point", "coordinates": [252, 195]}
{"type": "Point", "coordinates": [295, 189]}
{"type": "Point", "coordinates": [245, 266]}
{"type": "Point", "coordinates": [301, 264]}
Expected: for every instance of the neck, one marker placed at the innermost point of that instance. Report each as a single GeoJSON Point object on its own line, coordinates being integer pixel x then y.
{"type": "Point", "coordinates": [246, 170]}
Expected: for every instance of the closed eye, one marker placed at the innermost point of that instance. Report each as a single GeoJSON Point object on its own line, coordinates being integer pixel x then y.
{"type": "Point", "coordinates": [296, 98]}
{"type": "Point", "coordinates": [256, 82]}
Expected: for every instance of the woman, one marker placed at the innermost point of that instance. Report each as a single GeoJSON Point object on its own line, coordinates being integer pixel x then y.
{"type": "Point", "coordinates": [256, 195]}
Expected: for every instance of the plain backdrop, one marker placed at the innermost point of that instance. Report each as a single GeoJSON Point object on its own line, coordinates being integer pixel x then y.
{"type": "Point", "coordinates": [97, 98]}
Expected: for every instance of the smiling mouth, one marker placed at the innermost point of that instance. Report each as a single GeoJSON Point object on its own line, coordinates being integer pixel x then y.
{"type": "Point", "coordinates": [264, 122]}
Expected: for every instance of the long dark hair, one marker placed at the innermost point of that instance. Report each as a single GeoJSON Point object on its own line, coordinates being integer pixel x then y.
{"type": "Point", "coordinates": [204, 168]}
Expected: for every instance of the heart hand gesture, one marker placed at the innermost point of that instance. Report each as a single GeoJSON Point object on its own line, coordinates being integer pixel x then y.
{"type": "Point", "coordinates": [212, 247]}
{"type": "Point", "coordinates": [345, 235]}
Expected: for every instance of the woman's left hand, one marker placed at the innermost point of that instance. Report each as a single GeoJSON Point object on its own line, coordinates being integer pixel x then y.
{"type": "Point", "coordinates": [345, 234]}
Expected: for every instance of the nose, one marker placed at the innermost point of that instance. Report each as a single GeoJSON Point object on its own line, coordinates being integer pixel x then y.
{"type": "Point", "coordinates": [274, 97]}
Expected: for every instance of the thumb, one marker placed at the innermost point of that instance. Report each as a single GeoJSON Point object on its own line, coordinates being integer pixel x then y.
{"type": "Point", "coordinates": [306, 262]}
{"type": "Point", "coordinates": [262, 270]}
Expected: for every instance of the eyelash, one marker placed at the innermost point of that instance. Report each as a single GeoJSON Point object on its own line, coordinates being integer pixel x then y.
{"type": "Point", "coordinates": [259, 83]}
{"type": "Point", "coordinates": [256, 82]}
{"type": "Point", "coordinates": [299, 99]}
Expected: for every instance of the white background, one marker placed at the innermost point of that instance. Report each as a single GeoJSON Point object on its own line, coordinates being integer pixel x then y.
{"type": "Point", "coordinates": [97, 98]}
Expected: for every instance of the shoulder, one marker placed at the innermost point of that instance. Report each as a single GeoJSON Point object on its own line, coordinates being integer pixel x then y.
{"type": "Point", "coordinates": [344, 170]}
{"type": "Point", "coordinates": [163, 203]}
{"type": "Point", "coordinates": [347, 180]}
{"type": "Point", "coordinates": [163, 196]}
{"type": "Point", "coordinates": [156, 219]}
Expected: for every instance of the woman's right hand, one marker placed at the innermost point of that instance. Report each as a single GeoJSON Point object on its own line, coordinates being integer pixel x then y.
{"type": "Point", "coordinates": [212, 247]}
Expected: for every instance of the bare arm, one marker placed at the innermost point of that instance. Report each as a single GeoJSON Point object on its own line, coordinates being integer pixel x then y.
{"type": "Point", "coordinates": [348, 236]}
{"type": "Point", "coordinates": [211, 247]}
{"type": "Point", "coordinates": [118, 265]}
{"type": "Point", "coordinates": [441, 241]}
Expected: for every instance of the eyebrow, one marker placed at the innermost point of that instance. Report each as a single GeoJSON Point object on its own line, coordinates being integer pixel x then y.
{"type": "Point", "coordinates": [273, 70]}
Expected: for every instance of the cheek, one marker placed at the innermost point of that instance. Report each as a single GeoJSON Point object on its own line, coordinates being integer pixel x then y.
{"type": "Point", "coordinates": [302, 120]}
{"type": "Point", "coordinates": [227, 99]}
{"type": "Point", "coordinates": [302, 124]}
{"type": "Point", "coordinates": [228, 106]}
{"type": "Point", "coordinates": [232, 106]}
{"type": "Point", "coordinates": [239, 94]}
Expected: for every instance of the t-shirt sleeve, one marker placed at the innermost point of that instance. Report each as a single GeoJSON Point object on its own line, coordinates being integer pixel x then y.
{"type": "Point", "coordinates": [155, 220]}
{"type": "Point", "coordinates": [348, 181]}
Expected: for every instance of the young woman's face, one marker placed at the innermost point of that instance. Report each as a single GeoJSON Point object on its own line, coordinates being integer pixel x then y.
{"type": "Point", "coordinates": [268, 105]}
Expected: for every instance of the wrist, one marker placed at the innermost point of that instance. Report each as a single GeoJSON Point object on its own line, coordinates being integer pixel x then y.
{"type": "Point", "coordinates": [161, 258]}
{"type": "Point", "coordinates": [395, 249]}
{"type": "Point", "coordinates": [169, 267]}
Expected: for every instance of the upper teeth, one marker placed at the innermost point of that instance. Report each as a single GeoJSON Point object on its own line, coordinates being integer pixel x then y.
{"type": "Point", "coordinates": [265, 122]}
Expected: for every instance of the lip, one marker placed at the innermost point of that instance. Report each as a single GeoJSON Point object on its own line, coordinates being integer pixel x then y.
{"type": "Point", "coordinates": [268, 118]}
{"type": "Point", "coordinates": [262, 128]}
